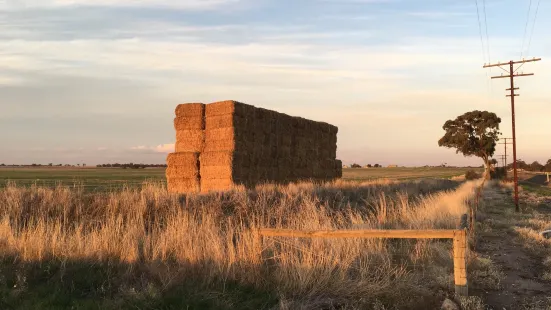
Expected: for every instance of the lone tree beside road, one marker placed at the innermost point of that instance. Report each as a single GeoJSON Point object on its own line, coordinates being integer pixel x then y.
{"type": "Point", "coordinates": [473, 134]}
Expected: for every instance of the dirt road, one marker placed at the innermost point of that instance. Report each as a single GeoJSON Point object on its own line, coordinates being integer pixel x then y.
{"type": "Point", "coordinates": [511, 241]}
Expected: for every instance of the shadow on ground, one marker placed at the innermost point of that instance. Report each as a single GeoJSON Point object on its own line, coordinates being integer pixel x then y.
{"type": "Point", "coordinates": [86, 284]}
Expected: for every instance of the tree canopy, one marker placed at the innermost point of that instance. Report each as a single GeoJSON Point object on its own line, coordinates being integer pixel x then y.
{"type": "Point", "coordinates": [474, 133]}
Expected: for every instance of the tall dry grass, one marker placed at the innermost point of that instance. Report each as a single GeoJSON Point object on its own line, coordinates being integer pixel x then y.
{"type": "Point", "coordinates": [209, 243]}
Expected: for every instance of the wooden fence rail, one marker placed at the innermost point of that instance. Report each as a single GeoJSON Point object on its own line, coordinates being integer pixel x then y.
{"type": "Point", "coordinates": [459, 237]}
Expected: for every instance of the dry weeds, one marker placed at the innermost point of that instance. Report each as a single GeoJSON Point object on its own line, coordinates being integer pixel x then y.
{"type": "Point", "coordinates": [150, 244]}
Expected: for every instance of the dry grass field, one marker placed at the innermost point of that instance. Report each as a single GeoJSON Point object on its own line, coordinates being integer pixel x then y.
{"type": "Point", "coordinates": [403, 173]}
{"type": "Point", "coordinates": [106, 179]}
{"type": "Point", "coordinates": [142, 248]}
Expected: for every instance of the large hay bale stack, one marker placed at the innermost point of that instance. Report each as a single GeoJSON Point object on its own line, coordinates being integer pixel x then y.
{"type": "Point", "coordinates": [240, 144]}
{"type": "Point", "coordinates": [183, 171]}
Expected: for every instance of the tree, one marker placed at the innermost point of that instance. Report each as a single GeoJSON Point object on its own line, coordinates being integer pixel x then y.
{"type": "Point", "coordinates": [474, 133]}
{"type": "Point", "coordinates": [520, 165]}
{"type": "Point", "coordinates": [354, 165]}
{"type": "Point", "coordinates": [548, 166]}
{"type": "Point", "coordinates": [535, 166]}
{"type": "Point", "coordinates": [369, 166]}
{"type": "Point", "coordinates": [377, 166]}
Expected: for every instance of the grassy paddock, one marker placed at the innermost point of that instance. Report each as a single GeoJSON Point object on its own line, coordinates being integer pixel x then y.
{"type": "Point", "coordinates": [142, 248]}
{"type": "Point", "coordinates": [403, 173]}
{"type": "Point", "coordinates": [92, 179]}
{"type": "Point", "coordinates": [105, 179]}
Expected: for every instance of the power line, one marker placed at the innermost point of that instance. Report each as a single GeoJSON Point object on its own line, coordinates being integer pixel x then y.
{"type": "Point", "coordinates": [489, 85]}
{"type": "Point", "coordinates": [480, 32]}
{"type": "Point", "coordinates": [525, 28]}
{"type": "Point", "coordinates": [487, 37]}
{"type": "Point", "coordinates": [533, 26]}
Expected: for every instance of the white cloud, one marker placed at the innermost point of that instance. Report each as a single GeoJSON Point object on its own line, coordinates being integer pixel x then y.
{"type": "Point", "coordinates": [161, 148]}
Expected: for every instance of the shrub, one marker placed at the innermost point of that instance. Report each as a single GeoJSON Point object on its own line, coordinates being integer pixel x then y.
{"type": "Point", "coordinates": [472, 175]}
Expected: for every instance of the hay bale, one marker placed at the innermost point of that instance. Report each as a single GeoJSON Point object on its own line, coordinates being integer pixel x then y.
{"type": "Point", "coordinates": [227, 145]}
{"type": "Point", "coordinates": [183, 185]}
{"type": "Point", "coordinates": [183, 159]}
{"type": "Point", "coordinates": [189, 123]}
{"type": "Point", "coordinates": [228, 107]}
{"type": "Point", "coordinates": [209, 185]}
{"type": "Point", "coordinates": [225, 121]}
{"type": "Point", "coordinates": [249, 145]}
{"type": "Point", "coordinates": [193, 110]}
{"type": "Point", "coordinates": [234, 173]}
{"type": "Point", "coordinates": [187, 135]}
{"type": "Point", "coordinates": [225, 158]}
{"type": "Point", "coordinates": [190, 141]}
{"type": "Point", "coordinates": [175, 172]}
{"type": "Point", "coordinates": [229, 133]}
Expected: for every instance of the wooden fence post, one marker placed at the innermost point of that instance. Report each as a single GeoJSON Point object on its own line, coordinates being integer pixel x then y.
{"type": "Point", "coordinates": [460, 262]}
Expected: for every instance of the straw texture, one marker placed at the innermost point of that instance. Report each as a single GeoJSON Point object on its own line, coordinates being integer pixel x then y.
{"type": "Point", "coordinates": [243, 144]}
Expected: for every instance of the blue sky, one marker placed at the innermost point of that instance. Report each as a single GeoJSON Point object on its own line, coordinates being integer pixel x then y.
{"type": "Point", "coordinates": [97, 81]}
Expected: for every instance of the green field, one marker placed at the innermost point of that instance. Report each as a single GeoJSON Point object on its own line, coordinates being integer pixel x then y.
{"type": "Point", "coordinates": [101, 179]}
{"type": "Point", "coordinates": [93, 179]}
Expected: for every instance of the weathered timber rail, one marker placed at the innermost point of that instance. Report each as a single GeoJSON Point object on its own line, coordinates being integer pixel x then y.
{"type": "Point", "coordinates": [459, 237]}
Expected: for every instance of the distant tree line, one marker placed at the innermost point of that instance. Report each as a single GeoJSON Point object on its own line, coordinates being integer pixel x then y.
{"type": "Point", "coordinates": [131, 166]}
{"type": "Point", "coordinates": [41, 165]}
{"type": "Point", "coordinates": [116, 165]}
{"type": "Point", "coordinates": [354, 165]}
{"type": "Point", "coordinates": [535, 166]}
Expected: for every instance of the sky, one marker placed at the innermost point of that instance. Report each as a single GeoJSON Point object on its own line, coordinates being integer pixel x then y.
{"type": "Point", "coordinates": [97, 81]}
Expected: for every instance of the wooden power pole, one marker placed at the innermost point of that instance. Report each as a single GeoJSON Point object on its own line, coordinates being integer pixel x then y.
{"type": "Point", "coordinates": [511, 75]}
{"type": "Point", "coordinates": [503, 161]}
{"type": "Point", "coordinates": [505, 147]}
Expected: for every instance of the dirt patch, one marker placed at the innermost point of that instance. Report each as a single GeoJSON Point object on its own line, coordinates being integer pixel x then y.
{"type": "Point", "coordinates": [498, 240]}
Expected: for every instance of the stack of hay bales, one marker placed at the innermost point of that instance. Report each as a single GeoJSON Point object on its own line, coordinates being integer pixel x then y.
{"type": "Point", "coordinates": [229, 146]}
{"type": "Point", "coordinates": [183, 171]}
{"type": "Point", "coordinates": [245, 145]}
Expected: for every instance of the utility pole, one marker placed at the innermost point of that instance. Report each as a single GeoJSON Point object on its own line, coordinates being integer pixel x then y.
{"type": "Point", "coordinates": [502, 157]}
{"type": "Point", "coordinates": [511, 75]}
{"type": "Point", "coordinates": [505, 147]}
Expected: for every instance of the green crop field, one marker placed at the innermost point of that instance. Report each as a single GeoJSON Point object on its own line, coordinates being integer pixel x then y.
{"type": "Point", "coordinates": [101, 179]}
{"type": "Point", "coordinates": [93, 179]}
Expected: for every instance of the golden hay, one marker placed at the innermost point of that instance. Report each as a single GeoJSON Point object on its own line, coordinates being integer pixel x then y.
{"type": "Point", "coordinates": [228, 107]}
{"type": "Point", "coordinates": [208, 185]}
{"type": "Point", "coordinates": [183, 185]}
{"type": "Point", "coordinates": [225, 158]}
{"type": "Point", "coordinates": [227, 134]}
{"type": "Point", "coordinates": [272, 146]}
{"type": "Point", "coordinates": [227, 121]}
{"type": "Point", "coordinates": [185, 135]}
{"type": "Point", "coordinates": [228, 145]}
{"type": "Point", "coordinates": [176, 172]}
{"type": "Point", "coordinates": [183, 159]}
{"type": "Point", "coordinates": [189, 123]}
{"type": "Point", "coordinates": [224, 172]}
{"type": "Point", "coordinates": [190, 110]}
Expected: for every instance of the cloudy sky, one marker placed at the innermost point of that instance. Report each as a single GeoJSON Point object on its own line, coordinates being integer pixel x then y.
{"type": "Point", "coordinates": [97, 81]}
